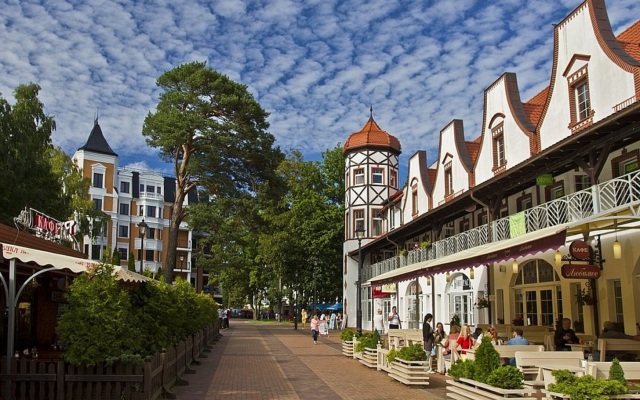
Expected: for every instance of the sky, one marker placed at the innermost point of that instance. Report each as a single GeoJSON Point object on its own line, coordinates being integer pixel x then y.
{"type": "Point", "coordinates": [317, 66]}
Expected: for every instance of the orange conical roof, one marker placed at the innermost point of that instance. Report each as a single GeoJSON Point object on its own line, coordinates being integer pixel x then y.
{"type": "Point", "coordinates": [372, 136]}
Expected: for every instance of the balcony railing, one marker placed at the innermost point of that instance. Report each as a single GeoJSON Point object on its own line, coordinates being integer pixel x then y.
{"type": "Point", "coordinates": [151, 196]}
{"type": "Point", "coordinates": [574, 207]}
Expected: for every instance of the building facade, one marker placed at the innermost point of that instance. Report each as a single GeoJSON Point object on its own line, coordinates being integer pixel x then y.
{"type": "Point", "coordinates": [130, 197]}
{"type": "Point", "coordinates": [491, 230]}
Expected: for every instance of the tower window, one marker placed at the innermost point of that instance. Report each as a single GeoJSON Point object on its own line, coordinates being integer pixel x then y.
{"type": "Point", "coordinates": [358, 217]}
{"type": "Point", "coordinates": [358, 176]}
{"type": "Point", "coordinates": [377, 175]}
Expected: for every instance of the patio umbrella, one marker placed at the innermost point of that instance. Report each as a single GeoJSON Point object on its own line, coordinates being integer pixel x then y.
{"type": "Point", "coordinates": [335, 307]}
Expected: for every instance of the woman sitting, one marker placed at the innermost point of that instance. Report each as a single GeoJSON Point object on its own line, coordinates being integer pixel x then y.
{"type": "Point", "coordinates": [453, 337]}
{"type": "Point", "coordinates": [465, 340]}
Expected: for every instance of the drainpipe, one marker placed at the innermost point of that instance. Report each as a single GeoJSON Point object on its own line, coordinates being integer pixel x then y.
{"type": "Point", "coordinates": [489, 238]}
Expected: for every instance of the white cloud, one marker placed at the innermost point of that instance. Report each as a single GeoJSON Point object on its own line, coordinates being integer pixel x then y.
{"type": "Point", "coordinates": [316, 66]}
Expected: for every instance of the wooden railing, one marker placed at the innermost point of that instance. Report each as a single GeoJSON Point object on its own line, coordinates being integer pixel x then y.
{"type": "Point", "coordinates": [48, 380]}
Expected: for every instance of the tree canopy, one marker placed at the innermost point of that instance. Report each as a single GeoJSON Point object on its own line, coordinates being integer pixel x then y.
{"type": "Point", "coordinates": [214, 133]}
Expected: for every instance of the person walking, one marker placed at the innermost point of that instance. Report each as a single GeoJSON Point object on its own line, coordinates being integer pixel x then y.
{"type": "Point", "coordinates": [427, 338]}
{"type": "Point", "coordinates": [225, 318]}
{"type": "Point", "coordinates": [304, 318]}
{"type": "Point", "coordinates": [394, 319]}
{"type": "Point", "coordinates": [315, 322]}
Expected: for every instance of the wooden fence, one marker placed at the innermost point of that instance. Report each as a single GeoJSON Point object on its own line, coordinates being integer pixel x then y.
{"type": "Point", "coordinates": [55, 380]}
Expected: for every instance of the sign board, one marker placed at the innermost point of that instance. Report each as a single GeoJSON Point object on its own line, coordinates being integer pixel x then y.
{"type": "Point", "coordinates": [575, 271]}
{"type": "Point", "coordinates": [46, 227]}
{"type": "Point", "coordinates": [544, 179]}
{"type": "Point", "coordinates": [580, 250]}
{"type": "Point", "coordinates": [379, 291]}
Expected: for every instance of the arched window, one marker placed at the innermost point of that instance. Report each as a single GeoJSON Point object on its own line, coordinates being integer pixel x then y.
{"type": "Point", "coordinates": [538, 298]}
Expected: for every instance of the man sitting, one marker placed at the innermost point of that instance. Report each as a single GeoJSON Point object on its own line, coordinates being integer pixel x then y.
{"type": "Point", "coordinates": [516, 340]}
{"type": "Point", "coordinates": [564, 336]}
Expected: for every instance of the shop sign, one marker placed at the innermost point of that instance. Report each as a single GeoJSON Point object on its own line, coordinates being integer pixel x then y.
{"type": "Point", "coordinates": [389, 288]}
{"type": "Point", "coordinates": [580, 250]}
{"type": "Point", "coordinates": [544, 179]}
{"type": "Point", "coordinates": [575, 271]}
{"type": "Point", "coordinates": [378, 291]}
{"type": "Point", "coordinates": [45, 226]}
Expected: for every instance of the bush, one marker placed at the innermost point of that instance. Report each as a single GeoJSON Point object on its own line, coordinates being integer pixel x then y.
{"type": "Point", "coordinates": [585, 387]}
{"type": "Point", "coordinates": [369, 340]}
{"type": "Point", "coordinates": [487, 359]}
{"type": "Point", "coordinates": [462, 369]}
{"type": "Point", "coordinates": [414, 352]}
{"type": "Point", "coordinates": [391, 355]}
{"type": "Point", "coordinates": [616, 373]}
{"type": "Point", "coordinates": [347, 334]}
{"type": "Point", "coordinates": [507, 377]}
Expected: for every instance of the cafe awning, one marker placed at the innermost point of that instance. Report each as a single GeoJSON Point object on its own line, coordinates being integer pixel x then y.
{"type": "Point", "coordinates": [45, 258]}
{"type": "Point", "coordinates": [527, 244]}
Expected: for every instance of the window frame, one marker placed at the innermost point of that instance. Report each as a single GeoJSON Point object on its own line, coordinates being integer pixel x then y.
{"type": "Point", "coordinates": [125, 187]}
{"type": "Point", "coordinates": [358, 175]}
{"type": "Point", "coordinates": [377, 176]}
{"type": "Point", "coordinates": [358, 221]}
{"type": "Point", "coordinates": [98, 180]}
{"type": "Point", "coordinates": [124, 228]}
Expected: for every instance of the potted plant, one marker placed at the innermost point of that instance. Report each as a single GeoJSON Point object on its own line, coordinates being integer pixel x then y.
{"type": "Point", "coordinates": [425, 244]}
{"type": "Point", "coordinates": [485, 376]}
{"type": "Point", "coordinates": [409, 365]}
{"type": "Point", "coordinates": [482, 303]}
{"type": "Point", "coordinates": [568, 385]}
{"type": "Point", "coordinates": [455, 320]}
{"type": "Point", "coordinates": [584, 297]}
{"type": "Point", "coordinates": [403, 252]}
{"type": "Point", "coordinates": [367, 348]}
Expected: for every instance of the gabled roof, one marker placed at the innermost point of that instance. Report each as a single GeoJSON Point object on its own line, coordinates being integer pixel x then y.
{"type": "Point", "coordinates": [533, 107]}
{"type": "Point", "coordinates": [473, 148]}
{"type": "Point", "coordinates": [630, 40]}
{"type": "Point", "coordinates": [371, 135]}
{"type": "Point", "coordinates": [97, 143]}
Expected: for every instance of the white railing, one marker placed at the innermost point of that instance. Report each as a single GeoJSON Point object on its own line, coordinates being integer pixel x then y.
{"type": "Point", "coordinates": [571, 208]}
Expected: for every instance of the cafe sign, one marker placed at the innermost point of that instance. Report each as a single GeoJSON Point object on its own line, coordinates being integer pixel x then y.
{"type": "Point", "coordinates": [45, 226]}
{"type": "Point", "coordinates": [575, 271]}
{"type": "Point", "coordinates": [580, 250]}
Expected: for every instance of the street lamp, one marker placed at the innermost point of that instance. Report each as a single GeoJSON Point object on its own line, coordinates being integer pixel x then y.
{"type": "Point", "coordinates": [142, 227]}
{"type": "Point", "coordinates": [359, 236]}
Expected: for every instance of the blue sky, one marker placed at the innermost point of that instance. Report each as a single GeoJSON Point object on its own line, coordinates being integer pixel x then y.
{"type": "Point", "coordinates": [316, 66]}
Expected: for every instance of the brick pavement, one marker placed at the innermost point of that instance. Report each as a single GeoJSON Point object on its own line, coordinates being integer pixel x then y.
{"type": "Point", "coordinates": [273, 361]}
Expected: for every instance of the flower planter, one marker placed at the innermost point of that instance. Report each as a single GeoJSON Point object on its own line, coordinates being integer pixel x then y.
{"type": "Point", "coordinates": [473, 390]}
{"type": "Point", "coordinates": [347, 348]}
{"type": "Point", "coordinates": [412, 373]}
{"type": "Point", "coordinates": [370, 357]}
{"type": "Point", "coordinates": [383, 364]}
{"type": "Point", "coordinates": [559, 396]}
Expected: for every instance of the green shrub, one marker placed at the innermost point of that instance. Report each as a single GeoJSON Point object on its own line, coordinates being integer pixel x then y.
{"type": "Point", "coordinates": [413, 352]}
{"type": "Point", "coordinates": [487, 359]}
{"type": "Point", "coordinates": [585, 387]}
{"type": "Point", "coordinates": [347, 334]}
{"type": "Point", "coordinates": [369, 340]}
{"type": "Point", "coordinates": [462, 369]}
{"type": "Point", "coordinates": [391, 355]}
{"type": "Point", "coordinates": [616, 373]}
{"type": "Point", "coordinates": [507, 377]}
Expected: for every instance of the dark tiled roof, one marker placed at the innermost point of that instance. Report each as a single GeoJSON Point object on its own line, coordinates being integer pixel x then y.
{"type": "Point", "coordinates": [97, 143]}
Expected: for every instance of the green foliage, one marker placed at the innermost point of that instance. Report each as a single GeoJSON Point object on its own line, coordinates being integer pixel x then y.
{"type": "Point", "coordinates": [506, 377]}
{"type": "Point", "coordinates": [616, 373]}
{"type": "Point", "coordinates": [347, 334]}
{"type": "Point", "coordinates": [107, 322]}
{"type": "Point", "coordinates": [413, 352]}
{"type": "Point", "coordinates": [487, 359]}
{"type": "Point", "coordinates": [462, 369]}
{"type": "Point", "coordinates": [367, 340]}
{"type": "Point", "coordinates": [131, 262]}
{"type": "Point", "coordinates": [455, 320]}
{"type": "Point", "coordinates": [391, 355]}
{"type": "Point", "coordinates": [115, 257]}
{"type": "Point", "coordinates": [585, 387]}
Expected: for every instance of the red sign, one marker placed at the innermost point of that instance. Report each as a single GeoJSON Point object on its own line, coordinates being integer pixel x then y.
{"type": "Point", "coordinates": [574, 271]}
{"type": "Point", "coordinates": [580, 250]}
{"type": "Point", "coordinates": [377, 291]}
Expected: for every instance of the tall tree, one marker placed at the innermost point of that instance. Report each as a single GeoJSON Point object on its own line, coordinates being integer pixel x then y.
{"type": "Point", "coordinates": [25, 140]}
{"type": "Point", "coordinates": [215, 134]}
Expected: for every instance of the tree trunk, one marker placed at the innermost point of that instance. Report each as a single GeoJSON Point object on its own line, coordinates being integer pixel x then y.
{"type": "Point", "coordinates": [177, 215]}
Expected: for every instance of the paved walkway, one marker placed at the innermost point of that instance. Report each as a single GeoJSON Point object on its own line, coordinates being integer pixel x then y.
{"type": "Point", "coordinates": [256, 360]}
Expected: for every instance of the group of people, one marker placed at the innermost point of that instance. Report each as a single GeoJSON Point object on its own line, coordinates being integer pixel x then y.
{"type": "Point", "coordinates": [334, 322]}
{"type": "Point", "coordinates": [224, 316]}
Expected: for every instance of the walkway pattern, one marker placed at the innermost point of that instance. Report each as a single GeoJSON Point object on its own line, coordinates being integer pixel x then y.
{"type": "Point", "coordinates": [274, 361]}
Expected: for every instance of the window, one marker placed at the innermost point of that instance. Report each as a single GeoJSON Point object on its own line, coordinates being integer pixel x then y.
{"type": "Point", "coordinates": [141, 211]}
{"type": "Point", "coordinates": [97, 180]}
{"type": "Point", "coordinates": [358, 216]}
{"type": "Point", "coordinates": [377, 175]}
{"type": "Point", "coordinates": [141, 188]}
{"type": "Point", "coordinates": [98, 204]}
{"type": "Point", "coordinates": [358, 176]}
{"type": "Point", "coordinates": [583, 182]}
{"type": "Point", "coordinates": [393, 179]}
{"type": "Point", "coordinates": [151, 233]}
{"type": "Point", "coordinates": [499, 159]}
{"type": "Point", "coordinates": [124, 208]}
{"type": "Point", "coordinates": [448, 182]}
{"type": "Point", "coordinates": [151, 211]}
{"type": "Point", "coordinates": [124, 253]}
{"type": "Point", "coordinates": [392, 217]}
{"type": "Point", "coordinates": [524, 202]}
{"type": "Point", "coordinates": [346, 180]}
{"type": "Point", "coordinates": [124, 187]}
{"type": "Point", "coordinates": [629, 166]}
{"type": "Point", "coordinates": [414, 200]}
{"type": "Point", "coordinates": [617, 301]}
{"type": "Point", "coordinates": [499, 146]}
{"type": "Point", "coordinates": [148, 255]}
{"type": "Point", "coordinates": [123, 231]}
{"type": "Point", "coordinates": [555, 191]}
{"type": "Point", "coordinates": [158, 190]}
{"type": "Point", "coordinates": [376, 223]}
{"type": "Point", "coordinates": [582, 100]}
{"type": "Point", "coordinates": [95, 251]}
{"type": "Point", "coordinates": [150, 189]}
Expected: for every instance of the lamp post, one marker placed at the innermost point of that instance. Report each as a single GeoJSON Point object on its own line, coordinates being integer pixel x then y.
{"type": "Point", "coordinates": [359, 236]}
{"type": "Point", "coordinates": [142, 227]}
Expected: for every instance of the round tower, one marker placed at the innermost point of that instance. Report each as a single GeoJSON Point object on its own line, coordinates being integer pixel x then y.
{"type": "Point", "coordinates": [371, 177]}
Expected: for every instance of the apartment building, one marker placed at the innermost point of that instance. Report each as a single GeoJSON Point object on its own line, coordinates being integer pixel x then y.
{"type": "Point", "coordinates": [524, 220]}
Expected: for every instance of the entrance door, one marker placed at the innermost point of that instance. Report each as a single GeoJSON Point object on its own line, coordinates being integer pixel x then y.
{"type": "Point", "coordinates": [460, 305]}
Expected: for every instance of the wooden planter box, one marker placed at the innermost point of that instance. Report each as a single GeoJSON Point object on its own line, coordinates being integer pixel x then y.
{"type": "Point", "coordinates": [370, 357]}
{"type": "Point", "coordinates": [412, 373]}
{"type": "Point", "coordinates": [473, 390]}
{"type": "Point", "coordinates": [347, 348]}
{"type": "Point", "coordinates": [383, 363]}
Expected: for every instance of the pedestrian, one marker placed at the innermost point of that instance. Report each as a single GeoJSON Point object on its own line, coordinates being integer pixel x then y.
{"type": "Point", "coordinates": [378, 322]}
{"type": "Point", "coordinates": [314, 328]}
{"type": "Point", "coordinates": [304, 318]}
{"type": "Point", "coordinates": [394, 319]}
{"type": "Point", "coordinates": [221, 317]}
{"type": "Point", "coordinates": [427, 338]}
{"type": "Point", "coordinates": [226, 316]}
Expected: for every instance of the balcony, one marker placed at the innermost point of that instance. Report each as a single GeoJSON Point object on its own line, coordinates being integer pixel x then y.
{"type": "Point", "coordinates": [574, 207]}
{"type": "Point", "coordinates": [184, 244]}
{"type": "Point", "coordinates": [149, 244]}
{"type": "Point", "coordinates": [151, 196]}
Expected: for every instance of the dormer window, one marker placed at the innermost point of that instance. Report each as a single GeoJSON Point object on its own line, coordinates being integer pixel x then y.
{"type": "Point", "coordinates": [582, 100]}
{"type": "Point", "coordinates": [579, 97]}
{"type": "Point", "coordinates": [448, 182]}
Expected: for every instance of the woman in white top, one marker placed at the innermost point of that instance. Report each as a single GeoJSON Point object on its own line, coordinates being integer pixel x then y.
{"type": "Point", "coordinates": [394, 319]}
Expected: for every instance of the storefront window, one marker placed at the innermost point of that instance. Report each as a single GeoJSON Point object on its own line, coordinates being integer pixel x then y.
{"type": "Point", "coordinates": [536, 294]}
